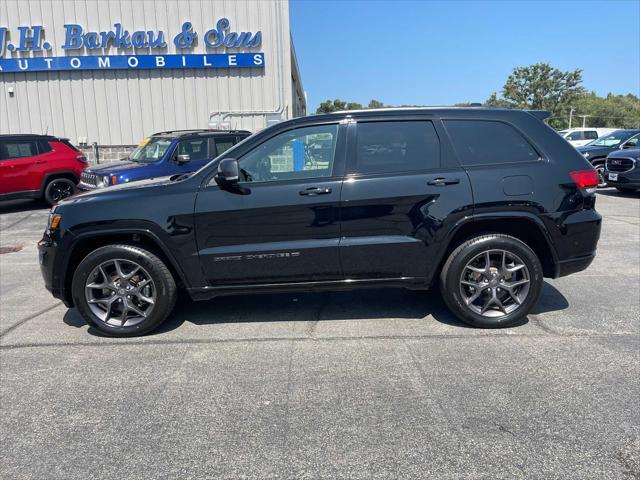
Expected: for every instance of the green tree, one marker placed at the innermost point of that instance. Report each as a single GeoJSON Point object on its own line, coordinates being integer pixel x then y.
{"type": "Point", "coordinates": [336, 105]}
{"type": "Point", "coordinates": [375, 104]}
{"type": "Point", "coordinates": [540, 87]}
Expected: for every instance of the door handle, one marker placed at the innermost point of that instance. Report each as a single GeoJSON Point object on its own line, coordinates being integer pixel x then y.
{"type": "Point", "coordinates": [312, 191]}
{"type": "Point", "coordinates": [443, 181]}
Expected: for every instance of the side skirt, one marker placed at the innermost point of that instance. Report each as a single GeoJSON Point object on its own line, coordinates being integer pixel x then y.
{"type": "Point", "coordinates": [205, 293]}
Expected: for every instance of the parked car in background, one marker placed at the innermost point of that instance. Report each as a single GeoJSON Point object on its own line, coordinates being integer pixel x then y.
{"type": "Point", "coordinates": [483, 202]}
{"type": "Point", "coordinates": [596, 152]}
{"type": "Point", "coordinates": [39, 167]}
{"type": "Point", "coordinates": [581, 136]}
{"type": "Point", "coordinates": [623, 169]}
{"type": "Point", "coordinates": [163, 154]}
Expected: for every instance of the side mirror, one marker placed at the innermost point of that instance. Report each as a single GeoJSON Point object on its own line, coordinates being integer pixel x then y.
{"type": "Point", "coordinates": [182, 159]}
{"type": "Point", "coordinates": [228, 172]}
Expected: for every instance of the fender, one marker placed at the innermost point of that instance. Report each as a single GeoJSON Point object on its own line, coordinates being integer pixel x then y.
{"type": "Point", "coordinates": [142, 230]}
{"type": "Point", "coordinates": [469, 220]}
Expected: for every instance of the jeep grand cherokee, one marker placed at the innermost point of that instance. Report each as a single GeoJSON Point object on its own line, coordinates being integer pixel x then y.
{"type": "Point", "coordinates": [483, 202]}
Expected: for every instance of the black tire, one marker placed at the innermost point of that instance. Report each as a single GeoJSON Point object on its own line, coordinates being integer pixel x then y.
{"type": "Point", "coordinates": [58, 189]}
{"type": "Point", "coordinates": [626, 189]}
{"type": "Point", "coordinates": [602, 179]}
{"type": "Point", "coordinates": [162, 282]}
{"type": "Point", "coordinates": [454, 267]}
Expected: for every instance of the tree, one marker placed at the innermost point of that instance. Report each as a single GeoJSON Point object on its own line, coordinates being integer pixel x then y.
{"type": "Point", "coordinates": [336, 105]}
{"type": "Point", "coordinates": [375, 104]}
{"type": "Point", "coordinates": [540, 87]}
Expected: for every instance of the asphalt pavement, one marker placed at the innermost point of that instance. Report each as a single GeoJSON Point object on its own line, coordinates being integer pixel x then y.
{"type": "Point", "coordinates": [363, 384]}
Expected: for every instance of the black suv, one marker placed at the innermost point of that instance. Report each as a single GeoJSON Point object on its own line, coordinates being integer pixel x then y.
{"type": "Point", "coordinates": [483, 202]}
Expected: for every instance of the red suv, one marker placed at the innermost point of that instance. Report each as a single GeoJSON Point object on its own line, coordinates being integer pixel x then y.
{"type": "Point", "coordinates": [39, 166]}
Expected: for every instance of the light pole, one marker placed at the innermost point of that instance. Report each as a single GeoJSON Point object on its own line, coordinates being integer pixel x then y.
{"type": "Point", "coordinates": [571, 110]}
{"type": "Point", "coordinates": [584, 119]}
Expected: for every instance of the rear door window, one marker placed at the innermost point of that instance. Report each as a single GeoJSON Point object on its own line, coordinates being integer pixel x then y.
{"type": "Point", "coordinates": [486, 142]}
{"type": "Point", "coordinates": [396, 147]}
{"type": "Point", "coordinates": [219, 145]}
{"type": "Point", "coordinates": [590, 135]}
{"type": "Point", "coordinates": [196, 148]}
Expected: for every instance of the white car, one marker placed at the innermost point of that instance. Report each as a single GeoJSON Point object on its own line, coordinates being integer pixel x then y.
{"type": "Point", "coordinates": [581, 136]}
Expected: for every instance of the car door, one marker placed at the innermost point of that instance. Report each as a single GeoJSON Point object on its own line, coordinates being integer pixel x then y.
{"type": "Point", "coordinates": [400, 198]}
{"type": "Point", "coordinates": [280, 225]}
{"type": "Point", "coordinates": [20, 165]}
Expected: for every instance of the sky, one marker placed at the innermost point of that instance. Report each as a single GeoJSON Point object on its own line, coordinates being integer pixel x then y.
{"type": "Point", "coordinates": [445, 52]}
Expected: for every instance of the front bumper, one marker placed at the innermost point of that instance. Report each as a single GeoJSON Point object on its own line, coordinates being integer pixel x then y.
{"type": "Point", "coordinates": [49, 258]}
{"type": "Point", "coordinates": [625, 180]}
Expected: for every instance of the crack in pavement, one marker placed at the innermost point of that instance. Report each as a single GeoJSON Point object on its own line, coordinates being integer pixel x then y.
{"type": "Point", "coordinates": [8, 330]}
{"type": "Point", "coordinates": [205, 341]}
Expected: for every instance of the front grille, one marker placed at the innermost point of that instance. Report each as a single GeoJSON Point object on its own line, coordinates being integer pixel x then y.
{"type": "Point", "coordinates": [89, 180]}
{"type": "Point", "coordinates": [620, 164]}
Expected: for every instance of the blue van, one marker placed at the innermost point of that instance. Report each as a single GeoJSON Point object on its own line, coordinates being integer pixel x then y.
{"type": "Point", "coordinates": [163, 154]}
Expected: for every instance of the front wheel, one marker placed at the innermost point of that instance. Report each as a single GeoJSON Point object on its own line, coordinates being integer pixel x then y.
{"type": "Point", "coordinates": [602, 175]}
{"type": "Point", "coordinates": [491, 281]}
{"type": "Point", "coordinates": [123, 290]}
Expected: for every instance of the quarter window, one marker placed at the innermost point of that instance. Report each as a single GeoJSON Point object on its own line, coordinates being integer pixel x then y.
{"type": "Point", "coordinates": [590, 135]}
{"type": "Point", "coordinates": [387, 147]}
{"type": "Point", "coordinates": [482, 142]}
{"type": "Point", "coordinates": [296, 154]}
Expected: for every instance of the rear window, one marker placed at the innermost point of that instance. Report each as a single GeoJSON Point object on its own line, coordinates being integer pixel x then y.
{"type": "Point", "coordinates": [485, 142]}
{"type": "Point", "coordinates": [387, 147]}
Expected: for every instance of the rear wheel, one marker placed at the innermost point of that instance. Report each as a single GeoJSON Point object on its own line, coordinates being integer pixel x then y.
{"type": "Point", "coordinates": [123, 290]}
{"type": "Point", "coordinates": [58, 189]}
{"type": "Point", "coordinates": [491, 281]}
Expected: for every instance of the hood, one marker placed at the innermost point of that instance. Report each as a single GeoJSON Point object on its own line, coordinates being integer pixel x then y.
{"type": "Point", "coordinates": [115, 167]}
{"type": "Point", "coordinates": [116, 190]}
{"type": "Point", "coordinates": [590, 149]}
{"type": "Point", "coordinates": [626, 153]}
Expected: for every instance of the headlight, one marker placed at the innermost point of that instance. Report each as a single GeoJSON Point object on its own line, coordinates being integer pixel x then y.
{"type": "Point", "coordinates": [54, 219]}
{"type": "Point", "coordinates": [104, 182]}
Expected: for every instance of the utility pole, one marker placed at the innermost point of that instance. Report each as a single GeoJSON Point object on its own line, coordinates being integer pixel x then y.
{"type": "Point", "coordinates": [584, 119]}
{"type": "Point", "coordinates": [571, 110]}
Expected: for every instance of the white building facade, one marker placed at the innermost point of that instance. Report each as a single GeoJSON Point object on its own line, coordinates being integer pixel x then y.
{"type": "Point", "coordinates": [111, 72]}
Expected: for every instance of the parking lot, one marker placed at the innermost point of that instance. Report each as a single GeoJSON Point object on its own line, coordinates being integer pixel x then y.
{"type": "Point", "coordinates": [379, 383]}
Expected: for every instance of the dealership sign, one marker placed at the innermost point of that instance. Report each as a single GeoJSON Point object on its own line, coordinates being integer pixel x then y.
{"type": "Point", "coordinates": [77, 41]}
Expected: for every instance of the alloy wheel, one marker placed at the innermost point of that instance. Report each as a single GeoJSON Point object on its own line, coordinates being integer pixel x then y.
{"type": "Point", "coordinates": [602, 180]}
{"type": "Point", "coordinates": [494, 283]}
{"type": "Point", "coordinates": [60, 191]}
{"type": "Point", "coordinates": [120, 293]}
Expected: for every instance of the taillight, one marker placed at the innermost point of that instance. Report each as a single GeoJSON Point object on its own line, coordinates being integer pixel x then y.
{"type": "Point", "coordinates": [81, 158]}
{"type": "Point", "coordinates": [585, 178]}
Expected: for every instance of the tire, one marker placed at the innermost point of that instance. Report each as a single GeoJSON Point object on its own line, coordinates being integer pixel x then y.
{"type": "Point", "coordinates": [602, 180]}
{"type": "Point", "coordinates": [626, 189]}
{"type": "Point", "coordinates": [58, 189]}
{"type": "Point", "coordinates": [114, 278]}
{"type": "Point", "coordinates": [457, 276]}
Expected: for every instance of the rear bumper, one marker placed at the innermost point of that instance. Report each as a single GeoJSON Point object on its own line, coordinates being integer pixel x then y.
{"type": "Point", "coordinates": [574, 265]}
{"type": "Point", "coordinates": [575, 238]}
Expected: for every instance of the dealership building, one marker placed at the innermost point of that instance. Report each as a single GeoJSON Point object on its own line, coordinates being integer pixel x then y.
{"type": "Point", "coordinates": [107, 73]}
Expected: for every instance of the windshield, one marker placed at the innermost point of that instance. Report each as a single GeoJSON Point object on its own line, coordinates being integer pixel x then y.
{"type": "Point", "coordinates": [150, 150]}
{"type": "Point", "coordinates": [611, 140]}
